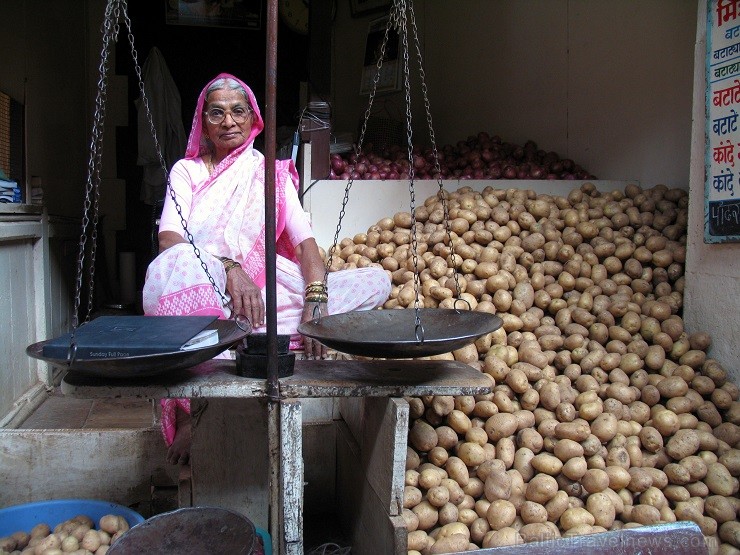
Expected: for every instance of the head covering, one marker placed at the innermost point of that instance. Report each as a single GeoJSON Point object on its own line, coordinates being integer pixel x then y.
{"type": "Point", "coordinates": [197, 145]}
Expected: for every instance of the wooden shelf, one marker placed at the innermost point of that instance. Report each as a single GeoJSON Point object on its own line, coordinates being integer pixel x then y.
{"type": "Point", "coordinates": [311, 379]}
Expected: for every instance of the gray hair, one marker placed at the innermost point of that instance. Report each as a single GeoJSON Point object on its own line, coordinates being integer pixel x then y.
{"type": "Point", "coordinates": [227, 83]}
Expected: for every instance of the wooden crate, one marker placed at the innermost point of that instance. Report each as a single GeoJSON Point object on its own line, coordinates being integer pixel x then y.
{"type": "Point", "coordinates": [371, 462]}
{"type": "Point", "coordinates": [117, 465]}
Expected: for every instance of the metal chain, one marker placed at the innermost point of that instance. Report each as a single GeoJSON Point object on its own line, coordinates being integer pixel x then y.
{"type": "Point", "coordinates": [109, 30]}
{"type": "Point", "coordinates": [358, 147]}
{"type": "Point", "coordinates": [441, 193]}
{"type": "Point", "coordinates": [418, 327]}
{"type": "Point", "coordinates": [162, 163]}
{"type": "Point", "coordinates": [116, 9]}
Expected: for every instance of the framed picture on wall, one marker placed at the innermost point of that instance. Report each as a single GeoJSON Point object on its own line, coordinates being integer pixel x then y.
{"type": "Point", "coordinates": [241, 14]}
{"type": "Point", "coordinates": [389, 78]}
{"type": "Point", "coordinates": [363, 7]}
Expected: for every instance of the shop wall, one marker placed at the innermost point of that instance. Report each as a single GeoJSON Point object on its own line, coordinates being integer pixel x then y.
{"type": "Point", "coordinates": [43, 59]}
{"type": "Point", "coordinates": [712, 270]}
{"type": "Point", "coordinates": [605, 83]}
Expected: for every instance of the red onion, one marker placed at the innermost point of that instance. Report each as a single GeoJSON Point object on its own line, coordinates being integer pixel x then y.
{"type": "Point", "coordinates": [480, 156]}
{"type": "Point", "coordinates": [536, 172]}
{"type": "Point", "coordinates": [509, 172]}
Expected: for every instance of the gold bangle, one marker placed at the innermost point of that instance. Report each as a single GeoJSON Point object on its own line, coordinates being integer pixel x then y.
{"type": "Point", "coordinates": [317, 299]}
{"type": "Point", "coordinates": [228, 263]}
{"type": "Point", "coordinates": [315, 288]}
{"type": "Point", "coordinates": [316, 292]}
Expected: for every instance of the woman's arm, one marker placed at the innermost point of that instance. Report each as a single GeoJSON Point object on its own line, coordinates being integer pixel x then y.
{"type": "Point", "coordinates": [310, 261]}
{"type": "Point", "coordinates": [312, 268]}
{"type": "Point", "coordinates": [170, 222]}
{"type": "Point", "coordinates": [169, 239]}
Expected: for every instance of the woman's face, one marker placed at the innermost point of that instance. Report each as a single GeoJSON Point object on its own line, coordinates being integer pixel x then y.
{"type": "Point", "coordinates": [234, 129]}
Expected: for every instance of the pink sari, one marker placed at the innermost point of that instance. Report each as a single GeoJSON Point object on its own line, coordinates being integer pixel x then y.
{"type": "Point", "coordinates": [227, 218]}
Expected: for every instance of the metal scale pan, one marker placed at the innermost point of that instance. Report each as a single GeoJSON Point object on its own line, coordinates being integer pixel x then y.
{"type": "Point", "coordinates": [391, 333]}
{"type": "Point", "coordinates": [148, 365]}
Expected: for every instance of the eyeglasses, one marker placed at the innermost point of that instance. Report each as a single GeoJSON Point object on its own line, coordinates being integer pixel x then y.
{"type": "Point", "coordinates": [239, 114]}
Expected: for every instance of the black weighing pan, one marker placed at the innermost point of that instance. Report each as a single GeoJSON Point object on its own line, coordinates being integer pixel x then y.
{"type": "Point", "coordinates": [392, 333]}
{"type": "Point", "coordinates": [148, 365]}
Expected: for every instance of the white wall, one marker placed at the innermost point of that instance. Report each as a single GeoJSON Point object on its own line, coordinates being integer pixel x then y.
{"type": "Point", "coordinates": [605, 82]}
{"type": "Point", "coordinates": [712, 301]}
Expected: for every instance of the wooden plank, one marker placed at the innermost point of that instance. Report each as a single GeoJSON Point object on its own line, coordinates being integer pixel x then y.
{"type": "Point", "coordinates": [20, 230]}
{"type": "Point", "coordinates": [380, 427]}
{"type": "Point", "coordinates": [41, 310]}
{"type": "Point", "coordinates": [274, 448]}
{"type": "Point", "coordinates": [352, 410]}
{"type": "Point", "coordinates": [42, 464]}
{"type": "Point", "coordinates": [211, 379]}
{"type": "Point", "coordinates": [363, 515]}
{"type": "Point", "coordinates": [60, 412]}
{"type": "Point", "coordinates": [673, 538]}
{"type": "Point", "coordinates": [121, 413]}
{"type": "Point", "coordinates": [383, 378]}
{"type": "Point", "coordinates": [229, 456]}
{"type": "Point", "coordinates": [383, 449]}
{"type": "Point", "coordinates": [17, 321]}
{"type": "Point", "coordinates": [311, 378]}
{"type": "Point", "coordinates": [185, 487]}
{"type": "Point", "coordinates": [291, 479]}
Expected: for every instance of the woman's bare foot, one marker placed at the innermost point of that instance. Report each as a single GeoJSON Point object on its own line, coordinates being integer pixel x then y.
{"type": "Point", "coordinates": [179, 451]}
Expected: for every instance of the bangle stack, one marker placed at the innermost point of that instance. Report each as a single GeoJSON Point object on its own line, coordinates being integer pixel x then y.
{"type": "Point", "coordinates": [229, 264]}
{"type": "Point", "coordinates": [316, 292]}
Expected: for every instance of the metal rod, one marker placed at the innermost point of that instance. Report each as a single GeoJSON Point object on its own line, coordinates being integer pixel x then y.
{"type": "Point", "coordinates": [270, 261]}
{"type": "Point", "coordinates": [273, 393]}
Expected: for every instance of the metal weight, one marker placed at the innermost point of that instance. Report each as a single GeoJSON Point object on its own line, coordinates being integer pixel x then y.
{"type": "Point", "coordinates": [191, 530]}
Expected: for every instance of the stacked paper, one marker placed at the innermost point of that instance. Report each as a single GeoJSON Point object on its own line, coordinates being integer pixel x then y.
{"type": "Point", "coordinates": [9, 191]}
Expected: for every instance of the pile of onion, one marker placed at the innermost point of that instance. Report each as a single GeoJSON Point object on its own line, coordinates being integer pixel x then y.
{"type": "Point", "coordinates": [479, 157]}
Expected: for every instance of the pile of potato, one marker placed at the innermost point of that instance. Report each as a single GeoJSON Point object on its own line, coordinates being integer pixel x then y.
{"type": "Point", "coordinates": [605, 413]}
{"type": "Point", "coordinates": [76, 536]}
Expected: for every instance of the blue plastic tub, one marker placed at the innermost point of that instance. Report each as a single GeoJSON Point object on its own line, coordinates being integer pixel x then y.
{"type": "Point", "coordinates": [266, 540]}
{"type": "Point", "coordinates": [53, 512]}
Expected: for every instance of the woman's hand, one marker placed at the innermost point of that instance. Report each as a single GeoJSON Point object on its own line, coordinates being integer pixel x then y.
{"type": "Point", "coordinates": [312, 348]}
{"type": "Point", "coordinates": [246, 297]}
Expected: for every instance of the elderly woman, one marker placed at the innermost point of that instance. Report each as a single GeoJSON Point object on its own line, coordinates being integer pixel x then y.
{"type": "Point", "coordinates": [219, 187]}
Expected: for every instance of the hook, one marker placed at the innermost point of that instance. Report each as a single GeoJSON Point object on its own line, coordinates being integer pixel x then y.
{"type": "Point", "coordinates": [454, 304]}
{"type": "Point", "coordinates": [317, 310]}
{"type": "Point", "coordinates": [71, 353]}
{"type": "Point", "coordinates": [419, 332]}
{"type": "Point", "coordinates": [243, 323]}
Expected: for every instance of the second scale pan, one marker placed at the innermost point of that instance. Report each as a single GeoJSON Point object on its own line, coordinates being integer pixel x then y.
{"type": "Point", "coordinates": [392, 333]}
